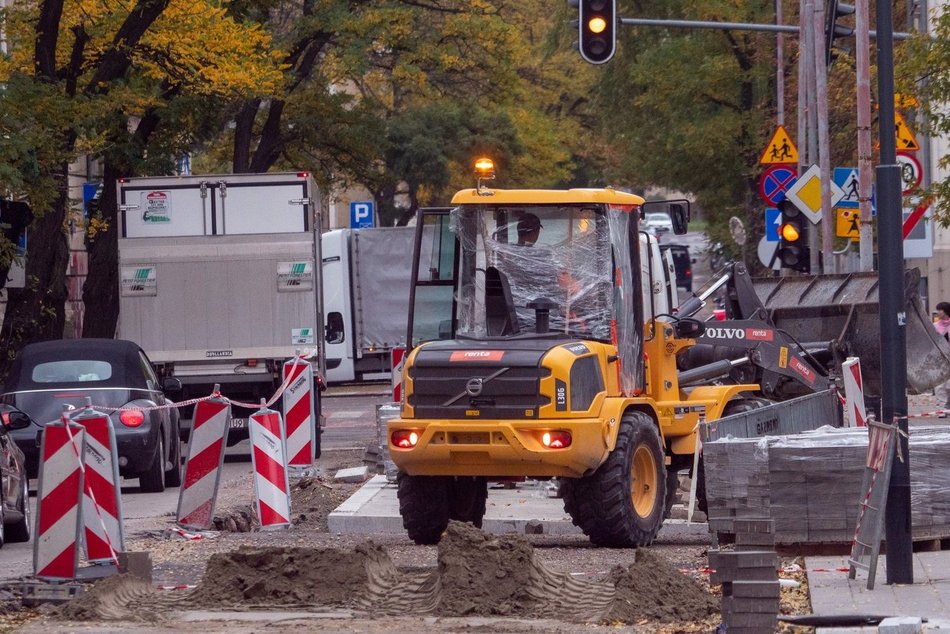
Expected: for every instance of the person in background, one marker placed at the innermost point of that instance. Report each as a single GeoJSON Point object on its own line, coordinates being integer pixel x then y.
{"type": "Point", "coordinates": [942, 325]}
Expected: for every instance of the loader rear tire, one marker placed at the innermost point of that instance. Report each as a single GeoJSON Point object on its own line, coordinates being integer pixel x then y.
{"type": "Point", "coordinates": [735, 406]}
{"type": "Point", "coordinates": [622, 504]}
{"type": "Point", "coordinates": [467, 499]}
{"type": "Point", "coordinates": [424, 506]}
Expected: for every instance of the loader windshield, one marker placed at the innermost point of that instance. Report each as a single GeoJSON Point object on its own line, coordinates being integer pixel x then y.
{"type": "Point", "coordinates": [514, 258]}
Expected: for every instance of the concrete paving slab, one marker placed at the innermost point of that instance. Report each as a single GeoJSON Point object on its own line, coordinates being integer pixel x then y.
{"type": "Point", "coordinates": [373, 508]}
{"type": "Point", "coordinates": [832, 592]}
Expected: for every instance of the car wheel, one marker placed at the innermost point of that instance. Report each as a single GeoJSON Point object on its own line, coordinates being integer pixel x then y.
{"type": "Point", "coordinates": [173, 475]}
{"type": "Point", "coordinates": [20, 532]}
{"type": "Point", "coordinates": [152, 480]}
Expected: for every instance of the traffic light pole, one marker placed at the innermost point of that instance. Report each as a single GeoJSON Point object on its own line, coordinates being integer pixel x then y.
{"type": "Point", "coordinates": [897, 517]}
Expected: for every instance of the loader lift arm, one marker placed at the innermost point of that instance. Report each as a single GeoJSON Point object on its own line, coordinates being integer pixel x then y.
{"type": "Point", "coordinates": [772, 357]}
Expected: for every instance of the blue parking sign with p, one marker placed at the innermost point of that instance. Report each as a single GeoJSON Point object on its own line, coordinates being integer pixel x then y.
{"type": "Point", "coordinates": [361, 215]}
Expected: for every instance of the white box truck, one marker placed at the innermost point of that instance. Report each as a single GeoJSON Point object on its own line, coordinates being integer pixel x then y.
{"type": "Point", "coordinates": [366, 299]}
{"type": "Point", "coordinates": [217, 280]}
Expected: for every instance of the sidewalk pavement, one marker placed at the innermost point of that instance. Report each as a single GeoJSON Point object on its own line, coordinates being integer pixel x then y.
{"type": "Point", "coordinates": [928, 597]}
{"type": "Point", "coordinates": [375, 509]}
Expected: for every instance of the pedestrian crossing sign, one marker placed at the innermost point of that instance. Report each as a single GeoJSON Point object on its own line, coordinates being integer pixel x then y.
{"type": "Point", "coordinates": [780, 149]}
{"type": "Point", "coordinates": [847, 223]}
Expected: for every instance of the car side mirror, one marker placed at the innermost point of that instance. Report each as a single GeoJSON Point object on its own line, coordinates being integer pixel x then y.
{"type": "Point", "coordinates": [14, 419]}
{"type": "Point", "coordinates": [171, 384]}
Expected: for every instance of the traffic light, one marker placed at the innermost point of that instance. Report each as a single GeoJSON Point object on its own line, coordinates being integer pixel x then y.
{"type": "Point", "coordinates": [598, 30]}
{"type": "Point", "coordinates": [793, 251]}
{"type": "Point", "coordinates": [835, 11]}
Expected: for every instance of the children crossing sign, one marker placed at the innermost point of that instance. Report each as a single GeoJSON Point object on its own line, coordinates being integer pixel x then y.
{"type": "Point", "coordinates": [780, 149]}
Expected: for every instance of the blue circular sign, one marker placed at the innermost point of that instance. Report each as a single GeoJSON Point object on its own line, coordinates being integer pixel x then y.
{"type": "Point", "coordinates": [775, 181]}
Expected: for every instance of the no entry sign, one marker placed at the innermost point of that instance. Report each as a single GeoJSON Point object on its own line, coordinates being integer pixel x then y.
{"type": "Point", "coordinates": [774, 182]}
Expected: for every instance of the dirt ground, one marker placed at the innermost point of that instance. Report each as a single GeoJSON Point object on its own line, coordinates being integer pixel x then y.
{"type": "Point", "coordinates": [321, 581]}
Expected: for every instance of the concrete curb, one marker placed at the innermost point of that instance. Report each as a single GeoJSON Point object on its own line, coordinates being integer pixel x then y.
{"type": "Point", "coordinates": [373, 508]}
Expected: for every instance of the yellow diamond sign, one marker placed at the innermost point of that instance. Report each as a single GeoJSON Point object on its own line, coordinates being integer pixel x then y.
{"type": "Point", "coordinates": [806, 194]}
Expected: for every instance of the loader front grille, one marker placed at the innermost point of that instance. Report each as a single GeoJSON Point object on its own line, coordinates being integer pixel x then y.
{"type": "Point", "coordinates": [480, 392]}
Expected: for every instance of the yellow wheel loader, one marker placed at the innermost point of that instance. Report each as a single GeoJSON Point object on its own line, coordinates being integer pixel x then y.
{"type": "Point", "coordinates": [531, 357]}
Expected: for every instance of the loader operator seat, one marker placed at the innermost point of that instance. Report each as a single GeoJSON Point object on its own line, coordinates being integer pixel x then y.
{"type": "Point", "coordinates": [500, 316]}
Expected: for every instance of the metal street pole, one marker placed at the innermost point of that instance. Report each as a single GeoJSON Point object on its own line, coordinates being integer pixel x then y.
{"type": "Point", "coordinates": [808, 33]}
{"type": "Point", "coordinates": [779, 68]}
{"type": "Point", "coordinates": [897, 519]}
{"type": "Point", "coordinates": [824, 142]}
{"type": "Point", "coordinates": [862, 14]}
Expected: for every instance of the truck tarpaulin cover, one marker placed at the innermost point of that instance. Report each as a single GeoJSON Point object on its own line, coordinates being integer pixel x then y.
{"type": "Point", "coordinates": [557, 252]}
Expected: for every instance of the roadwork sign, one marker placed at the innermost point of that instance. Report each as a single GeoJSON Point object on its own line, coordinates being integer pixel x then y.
{"type": "Point", "coordinates": [780, 149]}
{"type": "Point", "coordinates": [906, 141]}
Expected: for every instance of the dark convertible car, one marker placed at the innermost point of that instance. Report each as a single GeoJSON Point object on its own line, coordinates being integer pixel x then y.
{"type": "Point", "coordinates": [115, 374]}
{"type": "Point", "coordinates": [14, 494]}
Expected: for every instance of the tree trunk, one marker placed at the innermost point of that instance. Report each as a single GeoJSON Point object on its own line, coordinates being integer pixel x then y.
{"type": "Point", "coordinates": [37, 312]}
{"type": "Point", "coordinates": [100, 293]}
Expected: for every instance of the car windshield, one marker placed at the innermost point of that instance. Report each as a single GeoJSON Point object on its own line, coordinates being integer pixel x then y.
{"type": "Point", "coordinates": [516, 256]}
{"type": "Point", "coordinates": [71, 371]}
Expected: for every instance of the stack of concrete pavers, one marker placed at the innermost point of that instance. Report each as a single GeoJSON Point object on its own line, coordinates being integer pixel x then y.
{"type": "Point", "coordinates": [749, 578]}
{"type": "Point", "coordinates": [811, 483]}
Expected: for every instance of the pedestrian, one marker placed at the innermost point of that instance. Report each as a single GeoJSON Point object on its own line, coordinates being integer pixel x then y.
{"type": "Point", "coordinates": [942, 325]}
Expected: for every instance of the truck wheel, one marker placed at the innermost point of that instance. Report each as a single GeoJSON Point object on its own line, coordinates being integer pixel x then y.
{"type": "Point", "coordinates": [424, 506]}
{"type": "Point", "coordinates": [735, 406]}
{"type": "Point", "coordinates": [467, 499]}
{"type": "Point", "coordinates": [152, 480]}
{"type": "Point", "coordinates": [621, 505]}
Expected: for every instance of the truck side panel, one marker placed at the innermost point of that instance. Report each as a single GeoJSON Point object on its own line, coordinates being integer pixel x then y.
{"type": "Point", "coordinates": [337, 305]}
{"type": "Point", "coordinates": [381, 268]}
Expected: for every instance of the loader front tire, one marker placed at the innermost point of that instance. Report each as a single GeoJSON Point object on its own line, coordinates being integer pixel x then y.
{"type": "Point", "coordinates": [467, 499]}
{"type": "Point", "coordinates": [622, 504]}
{"type": "Point", "coordinates": [424, 506]}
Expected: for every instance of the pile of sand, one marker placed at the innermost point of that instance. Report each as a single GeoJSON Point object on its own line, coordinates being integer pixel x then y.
{"type": "Point", "coordinates": [478, 574]}
{"type": "Point", "coordinates": [290, 576]}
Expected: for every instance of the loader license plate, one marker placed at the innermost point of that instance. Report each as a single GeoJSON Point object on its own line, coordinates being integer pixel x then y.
{"type": "Point", "coordinates": [468, 438]}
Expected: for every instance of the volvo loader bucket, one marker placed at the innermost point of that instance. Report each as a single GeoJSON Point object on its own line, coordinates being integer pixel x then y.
{"type": "Point", "coordinates": [843, 308]}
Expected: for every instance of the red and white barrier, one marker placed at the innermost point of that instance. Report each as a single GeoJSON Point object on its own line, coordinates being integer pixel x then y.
{"type": "Point", "coordinates": [102, 503]}
{"type": "Point", "coordinates": [59, 515]}
{"type": "Point", "coordinates": [271, 481]}
{"type": "Point", "coordinates": [397, 358]}
{"type": "Point", "coordinates": [854, 412]}
{"type": "Point", "coordinates": [199, 488]}
{"type": "Point", "coordinates": [298, 412]}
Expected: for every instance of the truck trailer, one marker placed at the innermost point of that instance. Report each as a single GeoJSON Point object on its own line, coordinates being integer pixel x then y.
{"type": "Point", "coordinates": [218, 283]}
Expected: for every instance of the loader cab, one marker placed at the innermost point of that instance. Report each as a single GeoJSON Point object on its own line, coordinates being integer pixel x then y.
{"type": "Point", "coordinates": [522, 267]}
